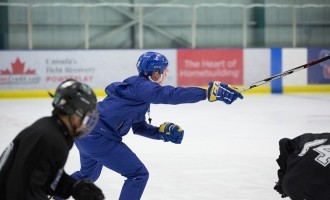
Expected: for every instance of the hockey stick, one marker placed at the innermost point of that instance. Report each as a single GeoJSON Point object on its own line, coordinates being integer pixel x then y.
{"type": "Point", "coordinates": [291, 71]}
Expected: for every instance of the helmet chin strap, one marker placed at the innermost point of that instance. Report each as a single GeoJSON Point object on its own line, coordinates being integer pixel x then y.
{"type": "Point", "coordinates": [159, 80]}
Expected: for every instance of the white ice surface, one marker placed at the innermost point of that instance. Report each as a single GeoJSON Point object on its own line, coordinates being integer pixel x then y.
{"type": "Point", "coordinates": [228, 152]}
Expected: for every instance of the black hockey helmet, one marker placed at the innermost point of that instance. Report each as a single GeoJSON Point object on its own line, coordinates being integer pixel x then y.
{"type": "Point", "coordinates": [73, 97]}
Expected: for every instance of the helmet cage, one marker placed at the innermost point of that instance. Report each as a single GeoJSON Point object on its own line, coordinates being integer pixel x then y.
{"type": "Point", "coordinates": [89, 122]}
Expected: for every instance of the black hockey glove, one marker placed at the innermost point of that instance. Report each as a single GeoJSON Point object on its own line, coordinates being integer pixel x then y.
{"type": "Point", "coordinates": [86, 190]}
{"type": "Point", "coordinates": [279, 189]}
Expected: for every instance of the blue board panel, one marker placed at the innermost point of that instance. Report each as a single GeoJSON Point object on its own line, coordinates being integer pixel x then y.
{"type": "Point", "coordinates": [276, 68]}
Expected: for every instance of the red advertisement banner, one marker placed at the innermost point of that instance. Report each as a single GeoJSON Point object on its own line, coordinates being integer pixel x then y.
{"type": "Point", "coordinates": [198, 67]}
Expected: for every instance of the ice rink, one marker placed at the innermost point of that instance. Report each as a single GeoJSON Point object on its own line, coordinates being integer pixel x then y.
{"type": "Point", "coordinates": [228, 151]}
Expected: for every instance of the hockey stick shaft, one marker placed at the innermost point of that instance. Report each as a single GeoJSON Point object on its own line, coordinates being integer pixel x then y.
{"type": "Point", "coordinates": [277, 76]}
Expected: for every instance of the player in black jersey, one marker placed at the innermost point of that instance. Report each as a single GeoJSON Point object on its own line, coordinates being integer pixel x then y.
{"type": "Point", "coordinates": [304, 172]}
{"type": "Point", "coordinates": [31, 167]}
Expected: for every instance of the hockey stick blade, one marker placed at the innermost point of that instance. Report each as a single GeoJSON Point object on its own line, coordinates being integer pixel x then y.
{"type": "Point", "coordinates": [277, 76]}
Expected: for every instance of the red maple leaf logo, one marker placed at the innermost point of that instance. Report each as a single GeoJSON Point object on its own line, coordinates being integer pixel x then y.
{"type": "Point", "coordinates": [18, 68]}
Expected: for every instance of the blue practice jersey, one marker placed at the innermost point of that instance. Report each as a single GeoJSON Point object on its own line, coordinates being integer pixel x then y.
{"type": "Point", "coordinates": [128, 102]}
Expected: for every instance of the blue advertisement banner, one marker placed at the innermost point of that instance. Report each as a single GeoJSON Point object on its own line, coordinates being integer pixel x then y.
{"type": "Point", "coordinates": [320, 73]}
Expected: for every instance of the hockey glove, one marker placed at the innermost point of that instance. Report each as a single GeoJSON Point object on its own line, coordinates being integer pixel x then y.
{"type": "Point", "coordinates": [171, 132]}
{"type": "Point", "coordinates": [218, 91]}
{"type": "Point", "coordinates": [86, 190]}
{"type": "Point", "coordinates": [278, 188]}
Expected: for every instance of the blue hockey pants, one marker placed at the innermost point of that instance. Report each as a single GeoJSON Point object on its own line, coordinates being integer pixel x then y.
{"type": "Point", "coordinates": [97, 151]}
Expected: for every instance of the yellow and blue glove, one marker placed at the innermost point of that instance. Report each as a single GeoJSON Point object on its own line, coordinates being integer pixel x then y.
{"type": "Point", "coordinates": [218, 91]}
{"type": "Point", "coordinates": [171, 132]}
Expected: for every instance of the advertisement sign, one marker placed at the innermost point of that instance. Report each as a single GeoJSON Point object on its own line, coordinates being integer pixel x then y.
{"type": "Point", "coordinates": [30, 70]}
{"type": "Point", "coordinates": [43, 69]}
{"type": "Point", "coordinates": [16, 72]}
{"type": "Point", "coordinates": [320, 73]}
{"type": "Point", "coordinates": [198, 67]}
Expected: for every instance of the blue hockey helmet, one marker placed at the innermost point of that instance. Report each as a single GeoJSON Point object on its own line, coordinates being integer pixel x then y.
{"type": "Point", "coordinates": [151, 61]}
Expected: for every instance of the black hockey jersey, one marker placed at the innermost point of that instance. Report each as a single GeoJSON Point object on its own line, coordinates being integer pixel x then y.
{"type": "Point", "coordinates": [305, 166]}
{"type": "Point", "coordinates": [31, 167]}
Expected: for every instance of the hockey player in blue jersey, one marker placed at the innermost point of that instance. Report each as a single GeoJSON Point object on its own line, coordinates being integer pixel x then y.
{"type": "Point", "coordinates": [125, 108]}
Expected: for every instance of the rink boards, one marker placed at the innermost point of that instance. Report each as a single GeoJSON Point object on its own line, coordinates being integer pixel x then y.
{"type": "Point", "coordinates": [33, 73]}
